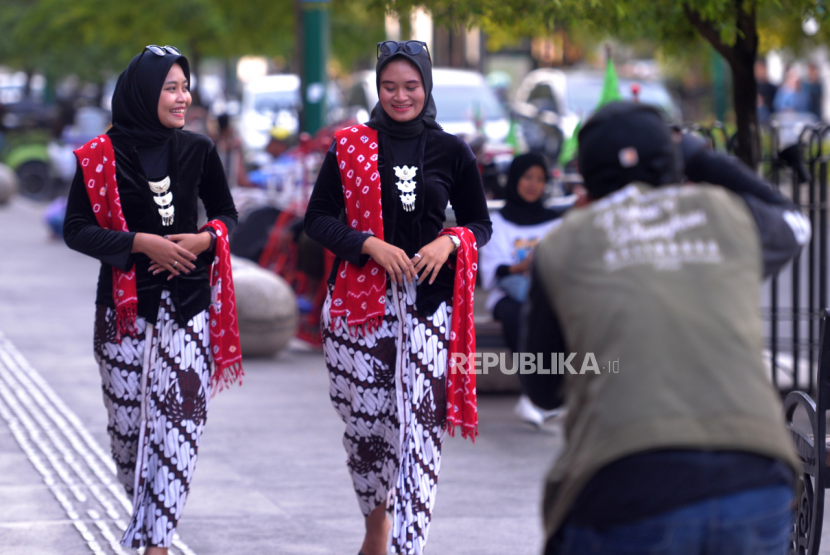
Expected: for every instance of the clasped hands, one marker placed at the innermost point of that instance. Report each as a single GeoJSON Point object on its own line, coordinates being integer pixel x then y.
{"type": "Point", "coordinates": [172, 253]}
{"type": "Point", "coordinates": [425, 264]}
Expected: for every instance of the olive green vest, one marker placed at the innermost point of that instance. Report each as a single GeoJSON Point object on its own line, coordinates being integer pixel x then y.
{"type": "Point", "coordinates": [662, 286]}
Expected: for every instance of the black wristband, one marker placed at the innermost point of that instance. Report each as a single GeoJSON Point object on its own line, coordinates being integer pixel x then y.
{"type": "Point", "coordinates": [212, 247]}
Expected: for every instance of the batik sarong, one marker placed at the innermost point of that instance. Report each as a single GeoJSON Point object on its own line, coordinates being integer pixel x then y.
{"type": "Point", "coordinates": [156, 390]}
{"type": "Point", "coordinates": [389, 387]}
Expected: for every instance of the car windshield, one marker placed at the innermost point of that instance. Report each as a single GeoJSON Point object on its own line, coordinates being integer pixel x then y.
{"type": "Point", "coordinates": [584, 93]}
{"type": "Point", "coordinates": [461, 103]}
{"type": "Point", "coordinates": [274, 101]}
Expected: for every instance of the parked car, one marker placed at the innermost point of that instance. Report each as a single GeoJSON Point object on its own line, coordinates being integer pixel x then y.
{"type": "Point", "coordinates": [460, 96]}
{"type": "Point", "coordinates": [549, 104]}
{"type": "Point", "coordinates": [269, 101]}
{"type": "Point", "coordinates": [564, 98]}
{"type": "Point", "coordinates": [275, 101]}
{"type": "Point", "coordinates": [543, 95]}
{"type": "Point", "coordinates": [585, 88]}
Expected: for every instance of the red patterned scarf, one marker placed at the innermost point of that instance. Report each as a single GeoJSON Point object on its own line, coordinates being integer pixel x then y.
{"type": "Point", "coordinates": [97, 159]}
{"type": "Point", "coordinates": [359, 294]}
{"type": "Point", "coordinates": [462, 407]}
{"type": "Point", "coordinates": [224, 326]}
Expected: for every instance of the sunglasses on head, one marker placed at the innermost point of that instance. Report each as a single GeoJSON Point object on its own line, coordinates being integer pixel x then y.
{"type": "Point", "coordinates": [412, 47]}
{"type": "Point", "coordinates": [158, 51]}
{"type": "Point", "coordinates": [163, 50]}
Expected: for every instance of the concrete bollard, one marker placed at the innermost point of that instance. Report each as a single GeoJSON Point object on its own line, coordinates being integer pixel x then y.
{"type": "Point", "coordinates": [266, 308]}
{"type": "Point", "coordinates": [8, 184]}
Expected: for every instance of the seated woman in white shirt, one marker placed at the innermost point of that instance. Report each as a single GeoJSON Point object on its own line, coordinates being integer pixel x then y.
{"type": "Point", "coordinates": [505, 260]}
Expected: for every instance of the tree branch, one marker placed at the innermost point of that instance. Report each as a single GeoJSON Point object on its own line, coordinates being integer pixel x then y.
{"type": "Point", "coordinates": [708, 32]}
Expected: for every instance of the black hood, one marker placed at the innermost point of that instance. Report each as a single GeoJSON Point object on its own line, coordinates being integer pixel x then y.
{"type": "Point", "coordinates": [135, 101]}
{"type": "Point", "coordinates": [516, 209]}
{"type": "Point", "coordinates": [381, 121]}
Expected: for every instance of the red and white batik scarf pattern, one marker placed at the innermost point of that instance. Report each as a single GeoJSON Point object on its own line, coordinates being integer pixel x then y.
{"type": "Point", "coordinates": [97, 159]}
{"type": "Point", "coordinates": [462, 409]}
{"type": "Point", "coordinates": [360, 293]}
{"type": "Point", "coordinates": [224, 325]}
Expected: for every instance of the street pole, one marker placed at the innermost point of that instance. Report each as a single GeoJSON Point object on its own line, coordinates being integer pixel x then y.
{"type": "Point", "coordinates": [718, 86]}
{"type": "Point", "coordinates": [315, 56]}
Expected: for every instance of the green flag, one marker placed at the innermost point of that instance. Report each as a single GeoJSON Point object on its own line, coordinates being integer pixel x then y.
{"type": "Point", "coordinates": [610, 86]}
{"type": "Point", "coordinates": [610, 93]}
{"type": "Point", "coordinates": [512, 138]}
{"type": "Point", "coordinates": [569, 147]}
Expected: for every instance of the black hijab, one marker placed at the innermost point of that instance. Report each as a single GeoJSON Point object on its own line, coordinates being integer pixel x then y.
{"type": "Point", "coordinates": [135, 101]}
{"type": "Point", "coordinates": [516, 209]}
{"type": "Point", "coordinates": [381, 121]}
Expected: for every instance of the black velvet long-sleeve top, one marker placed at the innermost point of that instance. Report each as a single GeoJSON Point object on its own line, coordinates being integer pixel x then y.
{"type": "Point", "coordinates": [449, 174]}
{"type": "Point", "coordinates": [195, 171]}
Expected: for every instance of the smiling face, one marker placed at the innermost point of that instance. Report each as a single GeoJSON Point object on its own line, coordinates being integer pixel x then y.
{"type": "Point", "coordinates": [531, 184]}
{"type": "Point", "coordinates": [174, 99]}
{"type": "Point", "coordinates": [401, 92]}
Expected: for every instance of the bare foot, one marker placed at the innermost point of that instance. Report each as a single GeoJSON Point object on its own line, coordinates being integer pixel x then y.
{"type": "Point", "coordinates": [155, 551]}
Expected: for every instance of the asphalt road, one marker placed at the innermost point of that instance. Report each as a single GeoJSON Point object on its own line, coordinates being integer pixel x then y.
{"type": "Point", "coordinates": [271, 477]}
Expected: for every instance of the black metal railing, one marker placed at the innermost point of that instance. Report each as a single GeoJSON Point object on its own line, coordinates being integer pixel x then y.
{"type": "Point", "coordinates": [794, 159]}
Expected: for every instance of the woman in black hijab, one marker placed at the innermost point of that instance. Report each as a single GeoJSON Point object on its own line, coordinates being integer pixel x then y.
{"type": "Point", "coordinates": [387, 368]}
{"type": "Point", "coordinates": [505, 261]}
{"type": "Point", "coordinates": [152, 339]}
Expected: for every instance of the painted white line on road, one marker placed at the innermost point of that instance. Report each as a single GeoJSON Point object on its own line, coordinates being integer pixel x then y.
{"type": "Point", "coordinates": [22, 432]}
{"type": "Point", "coordinates": [63, 451]}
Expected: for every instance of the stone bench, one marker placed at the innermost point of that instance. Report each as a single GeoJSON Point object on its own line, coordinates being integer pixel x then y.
{"type": "Point", "coordinates": [266, 308]}
{"type": "Point", "coordinates": [489, 339]}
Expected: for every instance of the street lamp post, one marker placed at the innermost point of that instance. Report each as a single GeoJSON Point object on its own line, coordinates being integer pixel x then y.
{"type": "Point", "coordinates": [315, 56]}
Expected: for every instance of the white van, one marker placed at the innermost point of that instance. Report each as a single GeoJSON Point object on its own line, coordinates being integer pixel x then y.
{"type": "Point", "coordinates": [269, 101]}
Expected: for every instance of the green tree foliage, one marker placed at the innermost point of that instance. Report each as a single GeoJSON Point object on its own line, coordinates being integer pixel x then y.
{"type": "Point", "coordinates": [355, 31]}
{"type": "Point", "coordinates": [732, 27]}
{"type": "Point", "coordinates": [95, 38]}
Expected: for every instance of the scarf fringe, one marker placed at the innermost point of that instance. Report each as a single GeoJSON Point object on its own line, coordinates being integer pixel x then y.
{"type": "Point", "coordinates": [371, 325]}
{"type": "Point", "coordinates": [225, 377]}
{"type": "Point", "coordinates": [467, 430]}
{"type": "Point", "coordinates": [125, 318]}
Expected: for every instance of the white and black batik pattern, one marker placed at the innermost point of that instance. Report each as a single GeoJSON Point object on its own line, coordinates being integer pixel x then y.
{"type": "Point", "coordinates": [157, 405]}
{"type": "Point", "coordinates": [389, 387]}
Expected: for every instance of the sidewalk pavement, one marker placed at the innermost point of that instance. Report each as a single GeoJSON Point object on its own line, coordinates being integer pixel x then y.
{"type": "Point", "coordinates": [271, 477]}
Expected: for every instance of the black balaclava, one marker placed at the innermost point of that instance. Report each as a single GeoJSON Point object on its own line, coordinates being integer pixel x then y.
{"type": "Point", "coordinates": [381, 121]}
{"type": "Point", "coordinates": [135, 120]}
{"type": "Point", "coordinates": [625, 142]}
{"type": "Point", "coordinates": [516, 209]}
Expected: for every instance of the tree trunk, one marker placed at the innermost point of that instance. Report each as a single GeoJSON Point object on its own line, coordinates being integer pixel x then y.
{"type": "Point", "coordinates": [744, 97]}
{"type": "Point", "coordinates": [741, 59]}
{"type": "Point", "coordinates": [195, 60]}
